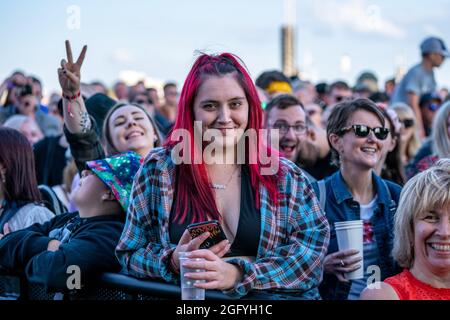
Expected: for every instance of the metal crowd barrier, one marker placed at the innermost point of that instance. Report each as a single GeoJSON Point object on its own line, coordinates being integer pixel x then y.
{"type": "Point", "coordinates": [110, 286]}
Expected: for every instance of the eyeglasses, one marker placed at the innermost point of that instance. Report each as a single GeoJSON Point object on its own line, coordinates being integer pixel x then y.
{"type": "Point", "coordinates": [284, 128]}
{"type": "Point", "coordinates": [408, 123]}
{"type": "Point", "coordinates": [434, 106]}
{"type": "Point", "coordinates": [363, 131]}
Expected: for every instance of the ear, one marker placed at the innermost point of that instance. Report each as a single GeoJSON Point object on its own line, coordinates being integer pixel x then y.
{"type": "Point", "coordinates": [336, 142]}
{"type": "Point", "coordinates": [108, 196]}
{"type": "Point", "coordinates": [312, 134]}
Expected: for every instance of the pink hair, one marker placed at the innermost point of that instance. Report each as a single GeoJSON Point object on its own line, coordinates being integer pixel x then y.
{"type": "Point", "coordinates": [193, 186]}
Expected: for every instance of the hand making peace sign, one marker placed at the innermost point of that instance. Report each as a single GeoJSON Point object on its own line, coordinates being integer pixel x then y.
{"type": "Point", "coordinates": [69, 73]}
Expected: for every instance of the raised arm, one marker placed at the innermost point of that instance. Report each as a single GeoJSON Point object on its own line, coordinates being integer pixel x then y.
{"type": "Point", "coordinates": [76, 117]}
{"type": "Point", "coordinates": [413, 102]}
{"type": "Point", "coordinates": [4, 86]}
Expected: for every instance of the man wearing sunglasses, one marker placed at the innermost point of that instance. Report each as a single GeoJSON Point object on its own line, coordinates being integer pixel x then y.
{"type": "Point", "coordinates": [429, 104]}
{"type": "Point", "coordinates": [420, 78]}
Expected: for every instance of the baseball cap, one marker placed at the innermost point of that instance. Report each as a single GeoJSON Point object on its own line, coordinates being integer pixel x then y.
{"type": "Point", "coordinates": [434, 45]}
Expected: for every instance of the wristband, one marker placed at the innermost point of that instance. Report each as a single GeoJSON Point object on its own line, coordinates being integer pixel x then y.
{"type": "Point", "coordinates": [71, 98]}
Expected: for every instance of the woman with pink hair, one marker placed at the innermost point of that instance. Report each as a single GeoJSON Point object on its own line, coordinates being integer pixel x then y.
{"type": "Point", "coordinates": [276, 232]}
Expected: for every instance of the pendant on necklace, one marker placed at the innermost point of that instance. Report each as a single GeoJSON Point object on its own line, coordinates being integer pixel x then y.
{"type": "Point", "coordinates": [218, 186]}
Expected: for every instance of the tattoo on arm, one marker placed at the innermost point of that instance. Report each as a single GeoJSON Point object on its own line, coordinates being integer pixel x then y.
{"type": "Point", "coordinates": [85, 121]}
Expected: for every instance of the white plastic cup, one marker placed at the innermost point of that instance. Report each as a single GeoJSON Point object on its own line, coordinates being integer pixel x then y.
{"type": "Point", "coordinates": [350, 237]}
{"type": "Point", "coordinates": [188, 290]}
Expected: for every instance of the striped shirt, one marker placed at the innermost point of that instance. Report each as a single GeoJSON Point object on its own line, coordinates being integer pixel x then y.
{"type": "Point", "coordinates": [293, 243]}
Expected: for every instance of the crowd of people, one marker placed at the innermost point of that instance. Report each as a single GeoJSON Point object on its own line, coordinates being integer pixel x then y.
{"type": "Point", "coordinates": [131, 175]}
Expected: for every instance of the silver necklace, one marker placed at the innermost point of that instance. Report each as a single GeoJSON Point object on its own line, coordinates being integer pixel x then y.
{"type": "Point", "coordinates": [218, 186]}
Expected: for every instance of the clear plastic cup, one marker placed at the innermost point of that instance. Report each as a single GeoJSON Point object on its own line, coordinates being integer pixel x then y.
{"type": "Point", "coordinates": [188, 290]}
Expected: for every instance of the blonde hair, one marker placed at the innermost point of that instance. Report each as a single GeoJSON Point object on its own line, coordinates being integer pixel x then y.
{"type": "Point", "coordinates": [441, 139]}
{"type": "Point", "coordinates": [404, 111]}
{"type": "Point", "coordinates": [427, 191]}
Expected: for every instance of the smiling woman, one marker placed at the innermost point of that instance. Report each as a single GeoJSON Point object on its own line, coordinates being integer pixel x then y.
{"type": "Point", "coordinates": [356, 131]}
{"type": "Point", "coordinates": [422, 240]}
{"type": "Point", "coordinates": [227, 112]}
{"type": "Point", "coordinates": [127, 127]}
{"type": "Point", "coordinates": [276, 232]}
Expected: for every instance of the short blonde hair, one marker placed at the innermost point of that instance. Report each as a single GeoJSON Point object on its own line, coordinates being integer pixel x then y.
{"type": "Point", "coordinates": [441, 140]}
{"type": "Point", "coordinates": [405, 111]}
{"type": "Point", "coordinates": [427, 191]}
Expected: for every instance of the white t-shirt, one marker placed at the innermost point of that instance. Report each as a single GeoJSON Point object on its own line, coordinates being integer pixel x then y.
{"type": "Point", "coordinates": [29, 215]}
{"type": "Point", "coordinates": [366, 210]}
{"type": "Point", "coordinates": [370, 248]}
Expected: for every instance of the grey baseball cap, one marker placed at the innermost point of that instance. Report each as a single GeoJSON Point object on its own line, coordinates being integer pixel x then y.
{"type": "Point", "coordinates": [434, 45]}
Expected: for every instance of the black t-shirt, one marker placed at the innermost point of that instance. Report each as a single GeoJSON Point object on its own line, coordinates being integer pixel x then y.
{"type": "Point", "coordinates": [322, 168]}
{"type": "Point", "coordinates": [248, 233]}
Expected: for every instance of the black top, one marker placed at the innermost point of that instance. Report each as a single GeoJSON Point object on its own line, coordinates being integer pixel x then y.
{"type": "Point", "coordinates": [322, 168]}
{"type": "Point", "coordinates": [50, 161]}
{"type": "Point", "coordinates": [248, 233]}
{"type": "Point", "coordinates": [88, 243]}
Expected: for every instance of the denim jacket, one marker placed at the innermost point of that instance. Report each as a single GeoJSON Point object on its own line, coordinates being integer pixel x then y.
{"type": "Point", "coordinates": [340, 206]}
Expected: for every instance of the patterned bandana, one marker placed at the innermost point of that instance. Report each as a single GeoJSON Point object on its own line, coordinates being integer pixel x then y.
{"type": "Point", "coordinates": [118, 172]}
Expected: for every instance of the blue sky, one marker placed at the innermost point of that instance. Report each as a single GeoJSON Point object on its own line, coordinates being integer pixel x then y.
{"type": "Point", "coordinates": [159, 38]}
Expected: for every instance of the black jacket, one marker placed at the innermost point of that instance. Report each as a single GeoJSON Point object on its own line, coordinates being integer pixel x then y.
{"type": "Point", "coordinates": [90, 247]}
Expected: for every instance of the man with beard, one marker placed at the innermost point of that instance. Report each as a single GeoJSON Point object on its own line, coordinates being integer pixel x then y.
{"type": "Point", "coordinates": [286, 113]}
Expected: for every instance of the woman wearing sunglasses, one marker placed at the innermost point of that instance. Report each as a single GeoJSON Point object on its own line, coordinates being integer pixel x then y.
{"type": "Point", "coordinates": [409, 133]}
{"type": "Point", "coordinates": [356, 131]}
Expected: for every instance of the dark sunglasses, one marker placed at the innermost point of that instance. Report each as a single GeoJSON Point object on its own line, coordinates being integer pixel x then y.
{"type": "Point", "coordinates": [363, 131]}
{"type": "Point", "coordinates": [408, 123]}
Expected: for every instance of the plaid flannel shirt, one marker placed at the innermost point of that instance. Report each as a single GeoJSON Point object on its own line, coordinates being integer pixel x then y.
{"type": "Point", "coordinates": [293, 243]}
